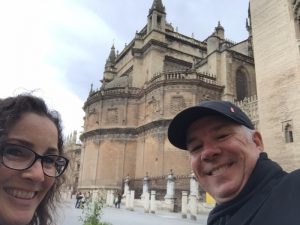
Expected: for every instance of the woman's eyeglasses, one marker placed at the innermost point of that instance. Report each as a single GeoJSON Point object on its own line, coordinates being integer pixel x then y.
{"type": "Point", "coordinates": [18, 157]}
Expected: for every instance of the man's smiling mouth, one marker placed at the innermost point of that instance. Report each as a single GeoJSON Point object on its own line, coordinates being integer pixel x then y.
{"type": "Point", "coordinates": [219, 170]}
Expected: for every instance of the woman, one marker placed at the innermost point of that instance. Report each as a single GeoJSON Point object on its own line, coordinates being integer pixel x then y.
{"type": "Point", "coordinates": [31, 161]}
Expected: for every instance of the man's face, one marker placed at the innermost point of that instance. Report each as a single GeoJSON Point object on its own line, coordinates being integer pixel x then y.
{"type": "Point", "coordinates": [223, 155]}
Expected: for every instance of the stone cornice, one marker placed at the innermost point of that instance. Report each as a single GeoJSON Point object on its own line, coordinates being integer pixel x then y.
{"type": "Point", "coordinates": [178, 61]}
{"type": "Point", "coordinates": [161, 79]}
{"type": "Point", "coordinates": [129, 132]}
{"type": "Point", "coordinates": [242, 57]}
{"type": "Point", "coordinates": [186, 40]}
{"type": "Point", "coordinates": [149, 44]}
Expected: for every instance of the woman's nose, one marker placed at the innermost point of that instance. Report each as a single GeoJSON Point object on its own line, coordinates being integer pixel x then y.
{"type": "Point", "coordinates": [35, 172]}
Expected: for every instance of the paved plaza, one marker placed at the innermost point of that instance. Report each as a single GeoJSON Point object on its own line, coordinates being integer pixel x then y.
{"type": "Point", "coordinates": [69, 215]}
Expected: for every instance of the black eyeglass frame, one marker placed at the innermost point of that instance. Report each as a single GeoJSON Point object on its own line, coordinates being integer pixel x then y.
{"type": "Point", "coordinates": [36, 157]}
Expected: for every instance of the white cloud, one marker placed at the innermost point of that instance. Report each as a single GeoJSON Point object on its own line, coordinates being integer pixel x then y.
{"type": "Point", "coordinates": [38, 44]}
{"type": "Point", "coordinates": [41, 40]}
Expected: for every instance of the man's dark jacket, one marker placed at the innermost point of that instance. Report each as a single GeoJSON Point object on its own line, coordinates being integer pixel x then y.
{"type": "Point", "coordinates": [270, 197]}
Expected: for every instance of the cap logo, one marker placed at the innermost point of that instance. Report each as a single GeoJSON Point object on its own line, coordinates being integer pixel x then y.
{"type": "Point", "coordinates": [232, 109]}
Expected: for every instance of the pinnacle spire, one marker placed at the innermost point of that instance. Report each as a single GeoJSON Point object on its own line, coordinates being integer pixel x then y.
{"type": "Point", "coordinates": [219, 26]}
{"type": "Point", "coordinates": [112, 54]}
{"type": "Point", "coordinates": [158, 6]}
{"type": "Point", "coordinates": [111, 60]}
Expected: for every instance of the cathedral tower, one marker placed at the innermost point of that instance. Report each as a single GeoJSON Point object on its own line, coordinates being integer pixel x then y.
{"type": "Point", "coordinates": [275, 29]}
{"type": "Point", "coordinates": [156, 17]}
{"type": "Point", "coordinates": [159, 73]}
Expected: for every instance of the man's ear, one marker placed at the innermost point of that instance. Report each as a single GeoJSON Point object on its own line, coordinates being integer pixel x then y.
{"type": "Point", "coordinates": [257, 139]}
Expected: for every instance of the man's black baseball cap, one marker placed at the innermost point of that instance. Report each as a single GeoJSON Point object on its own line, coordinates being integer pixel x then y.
{"type": "Point", "coordinates": [181, 122]}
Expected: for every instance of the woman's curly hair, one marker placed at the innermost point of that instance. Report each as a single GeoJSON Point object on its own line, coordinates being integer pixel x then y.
{"type": "Point", "coordinates": [11, 110]}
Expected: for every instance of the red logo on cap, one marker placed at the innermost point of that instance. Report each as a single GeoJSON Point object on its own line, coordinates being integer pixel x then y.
{"type": "Point", "coordinates": [232, 109]}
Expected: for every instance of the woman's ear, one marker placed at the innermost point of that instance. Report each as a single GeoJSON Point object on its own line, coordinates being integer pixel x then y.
{"type": "Point", "coordinates": [257, 139]}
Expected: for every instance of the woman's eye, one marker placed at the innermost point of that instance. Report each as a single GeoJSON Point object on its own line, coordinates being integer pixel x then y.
{"type": "Point", "coordinates": [17, 152]}
{"type": "Point", "coordinates": [49, 160]}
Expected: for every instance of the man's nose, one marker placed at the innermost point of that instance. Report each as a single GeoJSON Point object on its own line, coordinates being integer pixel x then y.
{"type": "Point", "coordinates": [210, 153]}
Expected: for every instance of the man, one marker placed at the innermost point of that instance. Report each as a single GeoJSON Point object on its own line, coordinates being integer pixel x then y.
{"type": "Point", "coordinates": [79, 197]}
{"type": "Point", "coordinates": [227, 158]}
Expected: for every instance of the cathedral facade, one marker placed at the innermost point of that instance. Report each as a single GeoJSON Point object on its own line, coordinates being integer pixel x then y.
{"type": "Point", "coordinates": [159, 73]}
{"type": "Point", "coordinates": [276, 40]}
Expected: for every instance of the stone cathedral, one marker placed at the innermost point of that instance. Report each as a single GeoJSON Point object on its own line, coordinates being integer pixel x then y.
{"type": "Point", "coordinates": [159, 73]}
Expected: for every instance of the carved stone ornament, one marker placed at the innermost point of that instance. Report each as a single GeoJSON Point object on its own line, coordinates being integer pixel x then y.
{"type": "Point", "coordinates": [177, 104]}
{"type": "Point", "coordinates": [112, 116]}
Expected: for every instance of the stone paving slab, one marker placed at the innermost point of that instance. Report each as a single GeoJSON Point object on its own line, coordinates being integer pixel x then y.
{"type": "Point", "coordinates": [69, 215]}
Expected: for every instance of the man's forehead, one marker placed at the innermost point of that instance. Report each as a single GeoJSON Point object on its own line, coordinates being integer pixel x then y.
{"type": "Point", "coordinates": [214, 122]}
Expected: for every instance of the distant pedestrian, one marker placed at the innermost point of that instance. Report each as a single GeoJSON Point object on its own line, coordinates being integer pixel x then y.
{"type": "Point", "coordinates": [82, 202]}
{"type": "Point", "coordinates": [79, 196]}
{"type": "Point", "coordinates": [118, 200]}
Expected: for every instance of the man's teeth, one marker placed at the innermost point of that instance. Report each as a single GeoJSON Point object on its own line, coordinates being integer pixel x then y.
{"type": "Point", "coordinates": [219, 170]}
{"type": "Point", "coordinates": [21, 194]}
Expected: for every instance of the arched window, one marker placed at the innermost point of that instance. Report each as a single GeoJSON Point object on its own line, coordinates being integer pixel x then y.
{"type": "Point", "coordinates": [288, 133]}
{"type": "Point", "coordinates": [241, 83]}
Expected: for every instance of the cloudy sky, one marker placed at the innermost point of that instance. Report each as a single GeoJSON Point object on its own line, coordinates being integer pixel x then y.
{"type": "Point", "coordinates": [58, 48]}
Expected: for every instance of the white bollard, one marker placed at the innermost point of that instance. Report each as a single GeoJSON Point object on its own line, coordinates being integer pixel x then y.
{"type": "Point", "coordinates": [113, 198]}
{"type": "Point", "coordinates": [145, 186]}
{"type": "Point", "coordinates": [107, 197]}
{"type": "Point", "coordinates": [111, 203]}
{"type": "Point", "coordinates": [152, 202]}
{"type": "Point", "coordinates": [170, 195]}
{"type": "Point", "coordinates": [127, 200]}
{"type": "Point", "coordinates": [95, 196]}
{"type": "Point", "coordinates": [126, 185]}
{"type": "Point", "coordinates": [194, 185]}
{"type": "Point", "coordinates": [193, 207]}
{"type": "Point", "coordinates": [131, 201]}
{"type": "Point", "coordinates": [146, 202]}
{"type": "Point", "coordinates": [184, 201]}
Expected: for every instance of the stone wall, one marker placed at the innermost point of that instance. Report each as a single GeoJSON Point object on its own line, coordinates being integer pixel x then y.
{"type": "Point", "coordinates": [277, 62]}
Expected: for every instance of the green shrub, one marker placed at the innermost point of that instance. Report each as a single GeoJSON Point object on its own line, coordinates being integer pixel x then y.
{"type": "Point", "coordinates": [92, 211]}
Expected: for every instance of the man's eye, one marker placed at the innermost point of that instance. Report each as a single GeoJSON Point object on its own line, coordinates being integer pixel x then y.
{"type": "Point", "coordinates": [195, 148]}
{"type": "Point", "coordinates": [222, 136]}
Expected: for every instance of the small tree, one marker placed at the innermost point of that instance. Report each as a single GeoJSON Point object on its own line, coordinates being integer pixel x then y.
{"type": "Point", "coordinates": [91, 214]}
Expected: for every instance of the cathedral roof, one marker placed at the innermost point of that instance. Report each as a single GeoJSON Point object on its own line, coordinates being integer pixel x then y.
{"type": "Point", "coordinates": [118, 82]}
{"type": "Point", "coordinates": [158, 6]}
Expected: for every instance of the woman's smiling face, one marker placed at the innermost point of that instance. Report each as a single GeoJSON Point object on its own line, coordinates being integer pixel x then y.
{"type": "Point", "coordinates": [21, 192]}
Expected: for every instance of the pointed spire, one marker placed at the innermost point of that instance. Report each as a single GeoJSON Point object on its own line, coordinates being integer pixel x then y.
{"type": "Point", "coordinates": [111, 60]}
{"type": "Point", "coordinates": [219, 26]}
{"type": "Point", "coordinates": [158, 6]}
{"type": "Point", "coordinates": [112, 54]}
{"type": "Point", "coordinates": [219, 31]}
{"type": "Point", "coordinates": [91, 89]}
